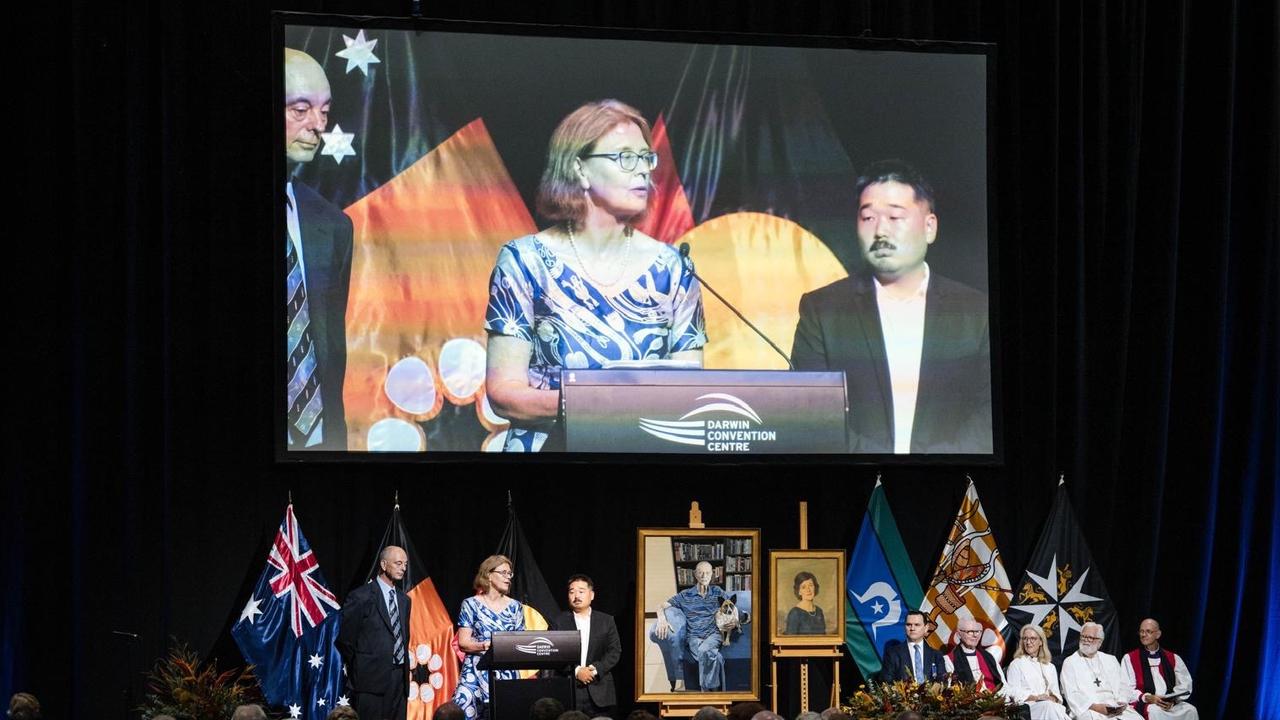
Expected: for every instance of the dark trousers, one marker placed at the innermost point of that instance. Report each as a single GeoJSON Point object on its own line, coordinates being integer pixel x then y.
{"type": "Point", "coordinates": [391, 706]}
{"type": "Point", "coordinates": [582, 699]}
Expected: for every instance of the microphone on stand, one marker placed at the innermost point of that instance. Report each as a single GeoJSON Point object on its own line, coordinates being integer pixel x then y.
{"type": "Point", "coordinates": [688, 263]}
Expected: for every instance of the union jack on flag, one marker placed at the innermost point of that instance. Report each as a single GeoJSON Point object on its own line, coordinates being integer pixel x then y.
{"type": "Point", "coordinates": [286, 629]}
{"type": "Point", "coordinates": [296, 568]}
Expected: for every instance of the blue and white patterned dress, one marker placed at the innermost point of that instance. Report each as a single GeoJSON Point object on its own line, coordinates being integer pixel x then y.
{"type": "Point", "coordinates": [473, 685]}
{"type": "Point", "coordinates": [535, 296]}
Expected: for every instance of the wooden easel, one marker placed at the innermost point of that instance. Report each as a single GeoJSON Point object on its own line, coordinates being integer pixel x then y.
{"type": "Point", "coordinates": [805, 653]}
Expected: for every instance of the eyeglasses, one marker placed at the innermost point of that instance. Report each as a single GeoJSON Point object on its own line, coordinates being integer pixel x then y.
{"type": "Point", "coordinates": [971, 632]}
{"type": "Point", "coordinates": [627, 160]}
{"type": "Point", "coordinates": [1090, 638]}
{"type": "Point", "coordinates": [504, 573]}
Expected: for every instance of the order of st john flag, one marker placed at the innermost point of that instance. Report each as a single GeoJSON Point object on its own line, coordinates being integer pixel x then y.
{"type": "Point", "coordinates": [287, 628]}
{"type": "Point", "coordinates": [1062, 588]}
{"type": "Point", "coordinates": [970, 580]}
{"type": "Point", "coordinates": [433, 667]}
{"type": "Point", "coordinates": [881, 587]}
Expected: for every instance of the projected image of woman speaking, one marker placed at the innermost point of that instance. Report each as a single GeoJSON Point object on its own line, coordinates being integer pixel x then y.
{"type": "Point", "coordinates": [589, 289]}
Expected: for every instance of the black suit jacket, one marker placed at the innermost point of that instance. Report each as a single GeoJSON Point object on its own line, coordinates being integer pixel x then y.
{"type": "Point", "coordinates": [366, 642]}
{"type": "Point", "coordinates": [839, 329]}
{"type": "Point", "coordinates": [604, 649]}
{"type": "Point", "coordinates": [327, 239]}
{"type": "Point", "coordinates": [897, 664]}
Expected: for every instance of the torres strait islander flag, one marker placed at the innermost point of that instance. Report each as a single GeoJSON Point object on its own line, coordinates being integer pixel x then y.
{"type": "Point", "coordinates": [881, 587]}
{"type": "Point", "coordinates": [970, 580]}
{"type": "Point", "coordinates": [433, 667]}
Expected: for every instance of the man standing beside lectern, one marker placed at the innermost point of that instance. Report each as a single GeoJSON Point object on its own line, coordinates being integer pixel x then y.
{"type": "Point", "coordinates": [593, 689]}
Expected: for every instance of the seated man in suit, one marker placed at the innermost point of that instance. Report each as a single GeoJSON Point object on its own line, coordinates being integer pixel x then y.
{"type": "Point", "coordinates": [915, 347]}
{"type": "Point", "coordinates": [914, 659]}
{"type": "Point", "coordinates": [318, 247]}
{"type": "Point", "coordinates": [601, 649]}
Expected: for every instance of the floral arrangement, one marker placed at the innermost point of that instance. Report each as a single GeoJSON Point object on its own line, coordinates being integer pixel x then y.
{"type": "Point", "coordinates": [933, 700]}
{"type": "Point", "coordinates": [181, 686]}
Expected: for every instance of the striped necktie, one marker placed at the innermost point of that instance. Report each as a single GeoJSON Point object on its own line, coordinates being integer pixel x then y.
{"type": "Point", "coordinates": [394, 611]}
{"type": "Point", "coordinates": [303, 397]}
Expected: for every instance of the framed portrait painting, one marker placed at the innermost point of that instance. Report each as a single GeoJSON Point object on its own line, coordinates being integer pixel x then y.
{"type": "Point", "coordinates": [697, 638]}
{"type": "Point", "coordinates": [806, 589]}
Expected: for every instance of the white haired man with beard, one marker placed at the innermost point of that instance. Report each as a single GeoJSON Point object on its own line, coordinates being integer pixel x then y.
{"type": "Point", "coordinates": [1092, 683]}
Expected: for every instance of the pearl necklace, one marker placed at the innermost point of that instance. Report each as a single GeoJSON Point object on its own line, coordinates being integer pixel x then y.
{"type": "Point", "coordinates": [626, 257]}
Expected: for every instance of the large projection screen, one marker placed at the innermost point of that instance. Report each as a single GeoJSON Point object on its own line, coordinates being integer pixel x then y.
{"type": "Point", "coordinates": [836, 192]}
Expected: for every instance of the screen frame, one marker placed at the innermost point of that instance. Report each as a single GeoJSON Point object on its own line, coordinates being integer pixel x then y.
{"type": "Point", "coordinates": [280, 173]}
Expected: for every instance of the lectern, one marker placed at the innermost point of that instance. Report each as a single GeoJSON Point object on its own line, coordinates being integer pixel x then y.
{"type": "Point", "coordinates": [704, 411]}
{"type": "Point", "coordinates": [536, 650]}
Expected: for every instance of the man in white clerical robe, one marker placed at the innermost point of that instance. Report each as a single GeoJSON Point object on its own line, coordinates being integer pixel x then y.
{"type": "Point", "coordinates": [1159, 677]}
{"type": "Point", "coordinates": [1092, 682]}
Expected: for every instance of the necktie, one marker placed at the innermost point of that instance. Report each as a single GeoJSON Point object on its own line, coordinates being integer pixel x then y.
{"type": "Point", "coordinates": [919, 664]}
{"type": "Point", "coordinates": [303, 399]}
{"type": "Point", "coordinates": [394, 612]}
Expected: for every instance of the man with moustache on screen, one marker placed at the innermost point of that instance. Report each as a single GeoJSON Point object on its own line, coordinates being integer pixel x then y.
{"type": "Point", "coordinates": [915, 346]}
{"type": "Point", "coordinates": [317, 269]}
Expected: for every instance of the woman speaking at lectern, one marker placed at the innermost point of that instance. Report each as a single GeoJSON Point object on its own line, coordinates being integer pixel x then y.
{"type": "Point", "coordinates": [489, 611]}
{"type": "Point", "coordinates": [590, 288]}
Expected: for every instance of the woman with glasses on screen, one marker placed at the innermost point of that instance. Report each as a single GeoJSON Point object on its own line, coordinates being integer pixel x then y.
{"type": "Point", "coordinates": [490, 610]}
{"type": "Point", "coordinates": [590, 289]}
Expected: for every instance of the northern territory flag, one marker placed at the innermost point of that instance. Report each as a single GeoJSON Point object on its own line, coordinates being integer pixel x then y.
{"type": "Point", "coordinates": [433, 668]}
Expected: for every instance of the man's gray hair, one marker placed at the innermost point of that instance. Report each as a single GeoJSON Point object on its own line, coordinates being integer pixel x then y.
{"type": "Point", "coordinates": [708, 712]}
{"type": "Point", "coordinates": [808, 715]}
{"type": "Point", "coordinates": [1101, 633]}
{"type": "Point", "coordinates": [249, 712]}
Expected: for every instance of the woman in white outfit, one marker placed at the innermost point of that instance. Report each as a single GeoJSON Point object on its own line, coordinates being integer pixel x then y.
{"type": "Point", "coordinates": [1032, 677]}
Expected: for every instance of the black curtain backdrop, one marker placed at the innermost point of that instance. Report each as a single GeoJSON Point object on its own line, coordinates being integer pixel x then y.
{"type": "Point", "coordinates": [1137, 219]}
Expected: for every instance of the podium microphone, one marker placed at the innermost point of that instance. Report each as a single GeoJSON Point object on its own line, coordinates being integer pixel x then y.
{"type": "Point", "coordinates": [688, 263]}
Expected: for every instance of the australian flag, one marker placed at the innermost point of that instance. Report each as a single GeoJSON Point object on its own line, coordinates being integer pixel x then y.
{"type": "Point", "coordinates": [288, 626]}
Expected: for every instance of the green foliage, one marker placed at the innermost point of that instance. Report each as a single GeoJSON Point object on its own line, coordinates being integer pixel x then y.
{"type": "Point", "coordinates": [933, 700]}
{"type": "Point", "coordinates": [181, 686]}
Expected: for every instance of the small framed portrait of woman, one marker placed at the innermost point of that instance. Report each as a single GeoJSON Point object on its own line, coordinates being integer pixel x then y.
{"type": "Point", "coordinates": [807, 591]}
